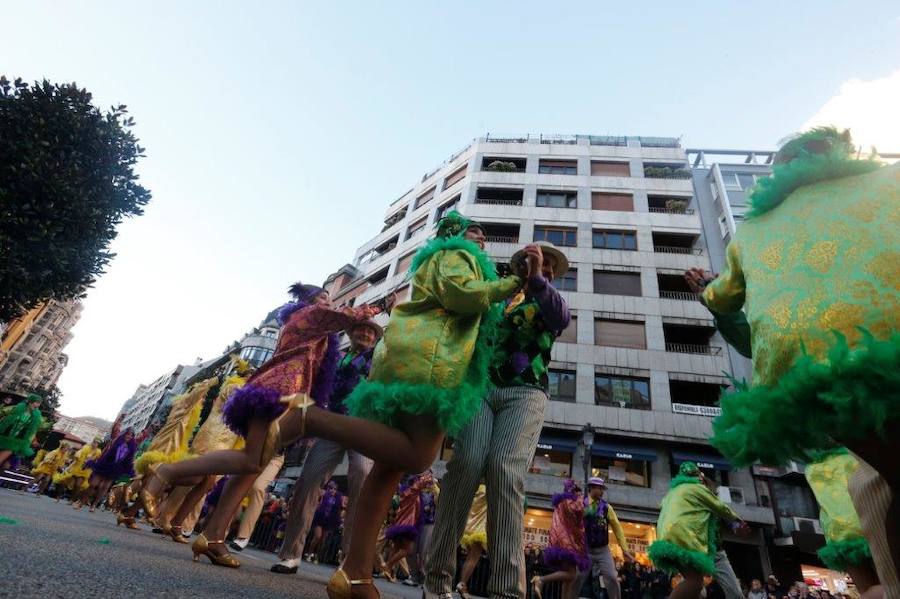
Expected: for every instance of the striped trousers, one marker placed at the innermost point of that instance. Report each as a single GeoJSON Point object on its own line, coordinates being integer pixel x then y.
{"type": "Point", "coordinates": [497, 446]}
{"type": "Point", "coordinates": [872, 499]}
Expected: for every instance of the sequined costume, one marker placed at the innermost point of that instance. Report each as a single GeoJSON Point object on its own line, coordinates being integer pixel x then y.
{"type": "Point", "coordinates": [818, 275]}
{"type": "Point", "coordinates": [434, 355]}
{"type": "Point", "coordinates": [214, 434]}
{"type": "Point", "coordinates": [77, 469]}
{"type": "Point", "coordinates": [116, 460]}
{"type": "Point", "coordinates": [567, 546]}
{"type": "Point", "coordinates": [408, 521]}
{"type": "Point", "coordinates": [688, 523]}
{"type": "Point", "coordinates": [328, 514]}
{"type": "Point", "coordinates": [54, 461]}
{"type": "Point", "coordinates": [476, 525]}
{"type": "Point", "coordinates": [170, 443]}
{"type": "Point", "coordinates": [18, 427]}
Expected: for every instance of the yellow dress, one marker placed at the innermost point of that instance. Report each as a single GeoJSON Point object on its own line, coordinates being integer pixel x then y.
{"type": "Point", "coordinates": [52, 463]}
{"type": "Point", "coordinates": [77, 469]}
{"type": "Point", "coordinates": [214, 434]}
{"type": "Point", "coordinates": [476, 525]}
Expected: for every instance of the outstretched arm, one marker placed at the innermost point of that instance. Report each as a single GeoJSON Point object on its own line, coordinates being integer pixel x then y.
{"type": "Point", "coordinates": [459, 287]}
{"type": "Point", "coordinates": [725, 295]}
{"type": "Point", "coordinates": [316, 321]}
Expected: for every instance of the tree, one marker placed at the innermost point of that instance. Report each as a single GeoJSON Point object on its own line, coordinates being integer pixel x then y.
{"type": "Point", "coordinates": [66, 181]}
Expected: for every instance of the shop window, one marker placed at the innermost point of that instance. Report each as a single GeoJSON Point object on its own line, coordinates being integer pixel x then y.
{"type": "Point", "coordinates": [552, 462]}
{"type": "Point", "coordinates": [562, 385]}
{"type": "Point", "coordinates": [632, 473]}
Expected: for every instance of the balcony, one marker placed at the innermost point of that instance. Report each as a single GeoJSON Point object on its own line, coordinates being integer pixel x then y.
{"type": "Point", "coordinates": [500, 233]}
{"type": "Point", "coordinates": [690, 348]}
{"type": "Point", "coordinates": [666, 171]}
{"type": "Point", "coordinates": [669, 205]}
{"type": "Point", "coordinates": [685, 296]}
{"type": "Point", "coordinates": [675, 243]}
{"type": "Point", "coordinates": [503, 164]}
{"type": "Point", "coordinates": [675, 288]}
{"type": "Point", "coordinates": [499, 196]}
{"type": "Point", "coordinates": [690, 339]}
{"type": "Point", "coordinates": [695, 398]}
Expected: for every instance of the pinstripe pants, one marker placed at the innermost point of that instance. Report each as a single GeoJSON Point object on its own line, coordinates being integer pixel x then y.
{"type": "Point", "coordinates": [872, 499]}
{"type": "Point", "coordinates": [497, 445]}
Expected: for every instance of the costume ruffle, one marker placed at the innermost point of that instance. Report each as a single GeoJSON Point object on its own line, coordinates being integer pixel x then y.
{"type": "Point", "coordinates": [839, 555]}
{"type": "Point", "coordinates": [248, 402]}
{"type": "Point", "coordinates": [148, 458]}
{"type": "Point", "coordinates": [674, 559]}
{"type": "Point", "coordinates": [402, 532]}
{"type": "Point", "coordinates": [472, 538]}
{"type": "Point", "coordinates": [559, 559]}
{"type": "Point", "coordinates": [850, 395]}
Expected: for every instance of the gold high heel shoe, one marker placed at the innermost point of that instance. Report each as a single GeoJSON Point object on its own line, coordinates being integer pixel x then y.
{"type": "Point", "coordinates": [128, 521]}
{"type": "Point", "coordinates": [201, 547]}
{"type": "Point", "coordinates": [175, 533]}
{"type": "Point", "coordinates": [149, 500]}
{"type": "Point", "coordinates": [341, 587]}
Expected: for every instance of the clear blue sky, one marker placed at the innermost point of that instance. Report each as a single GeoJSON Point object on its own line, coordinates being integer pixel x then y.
{"type": "Point", "coordinates": [277, 133]}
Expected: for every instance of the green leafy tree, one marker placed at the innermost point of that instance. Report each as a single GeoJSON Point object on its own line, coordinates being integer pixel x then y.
{"type": "Point", "coordinates": [66, 181]}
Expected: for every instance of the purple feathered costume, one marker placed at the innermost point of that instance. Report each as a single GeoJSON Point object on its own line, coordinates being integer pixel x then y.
{"type": "Point", "coordinates": [328, 514]}
{"type": "Point", "coordinates": [117, 459]}
{"type": "Point", "coordinates": [408, 523]}
{"type": "Point", "coordinates": [567, 545]}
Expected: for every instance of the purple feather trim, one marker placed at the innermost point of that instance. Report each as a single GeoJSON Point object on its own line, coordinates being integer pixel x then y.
{"type": "Point", "coordinates": [285, 311]}
{"type": "Point", "coordinates": [326, 375]}
{"type": "Point", "coordinates": [405, 532]}
{"type": "Point", "coordinates": [249, 402]}
{"type": "Point", "coordinates": [212, 498]}
{"type": "Point", "coordinates": [559, 558]}
{"type": "Point", "coordinates": [560, 497]}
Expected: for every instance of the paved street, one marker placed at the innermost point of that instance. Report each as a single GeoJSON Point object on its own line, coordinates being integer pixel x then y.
{"type": "Point", "coordinates": [54, 551]}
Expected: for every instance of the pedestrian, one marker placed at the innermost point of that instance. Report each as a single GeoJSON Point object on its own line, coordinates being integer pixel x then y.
{"type": "Point", "coordinates": [499, 443]}
{"type": "Point", "coordinates": [474, 539]}
{"type": "Point", "coordinates": [599, 517]}
{"type": "Point", "coordinates": [567, 552]}
{"type": "Point", "coordinates": [756, 590]}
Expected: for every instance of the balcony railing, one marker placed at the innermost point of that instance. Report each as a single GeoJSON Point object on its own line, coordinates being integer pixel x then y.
{"type": "Point", "coordinates": [690, 348]}
{"type": "Point", "coordinates": [517, 202]}
{"type": "Point", "coordinates": [666, 172]}
{"type": "Point", "coordinates": [679, 295]}
{"type": "Point", "coordinates": [501, 238]}
{"type": "Point", "coordinates": [671, 210]}
{"type": "Point", "coordinates": [672, 249]}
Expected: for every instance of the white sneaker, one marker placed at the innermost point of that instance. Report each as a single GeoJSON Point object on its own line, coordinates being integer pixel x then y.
{"type": "Point", "coordinates": [426, 594]}
{"type": "Point", "coordinates": [242, 543]}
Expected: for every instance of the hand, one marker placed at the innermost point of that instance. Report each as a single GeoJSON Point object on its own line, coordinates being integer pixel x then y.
{"type": "Point", "coordinates": [697, 279]}
{"type": "Point", "coordinates": [391, 301]}
{"type": "Point", "coordinates": [741, 528]}
{"type": "Point", "coordinates": [534, 259]}
{"type": "Point", "coordinates": [365, 312]}
{"type": "Point", "coordinates": [628, 556]}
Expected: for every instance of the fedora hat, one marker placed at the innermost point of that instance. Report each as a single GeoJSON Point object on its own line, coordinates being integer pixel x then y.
{"type": "Point", "coordinates": [517, 262]}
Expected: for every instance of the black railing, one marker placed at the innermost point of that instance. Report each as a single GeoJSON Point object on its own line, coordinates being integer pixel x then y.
{"type": "Point", "coordinates": [687, 296]}
{"type": "Point", "coordinates": [671, 210]}
{"type": "Point", "coordinates": [495, 202]}
{"type": "Point", "coordinates": [673, 249]}
{"type": "Point", "coordinates": [691, 348]}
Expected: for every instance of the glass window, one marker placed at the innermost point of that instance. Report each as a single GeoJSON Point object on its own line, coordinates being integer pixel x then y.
{"type": "Point", "coordinates": [569, 334]}
{"type": "Point", "coordinates": [792, 501]}
{"type": "Point", "coordinates": [554, 463]}
{"type": "Point", "coordinates": [620, 333]}
{"type": "Point", "coordinates": [617, 283]}
{"type": "Point", "coordinates": [403, 263]}
{"type": "Point", "coordinates": [424, 198]}
{"type": "Point", "coordinates": [567, 281]}
{"type": "Point", "coordinates": [556, 199]}
{"type": "Point", "coordinates": [610, 169]}
{"type": "Point", "coordinates": [416, 228]}
{"type": "Point", "coordinates": [746, 180]}
{"type": "Point", "coordinates": [451, 205]}
{"type": "Point", "coordinates": [562, 385]}
{"type": "Point", "coordinates": [556, 236]}
{"type": "Point", "coordinates": [615, 240]}
{"type": "Point", "coordinates": [730, 180]}
{"type": "Point", "coordinates": [455, 177]}
{"type": "Point", "coordinates": [632, 473]}
{"type": "Point", "coordinates": [256, 355]}
{"type": "Point", "coordinates": [558, 167]}
{"type": "Point", "coordinates": [624, 392]}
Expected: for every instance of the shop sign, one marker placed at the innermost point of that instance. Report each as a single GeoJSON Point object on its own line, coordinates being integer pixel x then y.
{"type": "Point", "coordinates": [683, 408]}
{"type": "Point", "coordinates": [536, 536]}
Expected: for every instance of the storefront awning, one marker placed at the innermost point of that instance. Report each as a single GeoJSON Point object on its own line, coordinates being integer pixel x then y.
{"type": "Point", "coordinates": [624, 451]}
{"type": "Point", "coordinates": [557, 443]}
{"type": "Point", "coordinates": [704, 460]}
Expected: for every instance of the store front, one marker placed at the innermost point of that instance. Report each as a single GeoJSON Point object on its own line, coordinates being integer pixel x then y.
{"type": "Point", "coordinates": [620, 463]}
{"type": "Point", "coordinates": [820, 577]}
{"type": "Point", "coordinates": [553, 455]}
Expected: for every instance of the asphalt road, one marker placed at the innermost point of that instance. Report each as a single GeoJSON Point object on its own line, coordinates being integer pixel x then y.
{"type": "Point", "coordinates": [51, 550]}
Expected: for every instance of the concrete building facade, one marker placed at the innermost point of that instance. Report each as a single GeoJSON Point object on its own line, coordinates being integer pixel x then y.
{"type": "Point", "coordinates": [635, 379]}
{"type": "Point", "coordinates": [85, 428]}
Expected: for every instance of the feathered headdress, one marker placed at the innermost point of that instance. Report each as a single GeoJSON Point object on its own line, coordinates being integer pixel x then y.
{"type": "Point", "coordinates": [453, 224]}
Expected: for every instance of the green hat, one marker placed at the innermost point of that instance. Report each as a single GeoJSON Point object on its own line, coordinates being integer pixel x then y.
{"type": "Point", "coordinates": [34, 397]}
{"type": "Point", "coordinates": [689, 469]}
{"type": "Point", "coordinates": [454, 223]}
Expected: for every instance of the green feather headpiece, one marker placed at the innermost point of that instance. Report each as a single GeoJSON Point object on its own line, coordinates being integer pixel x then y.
{"type": "Point", "coordinates": [453, 224]}
{"type": "Point", "coordinates": [689, 469]}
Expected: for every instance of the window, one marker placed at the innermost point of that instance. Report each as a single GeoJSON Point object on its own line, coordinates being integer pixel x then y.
{"type": "Point", "coordinates": [556, 199]}
{"type": "Point", "coordinates": [447, 207]}
{"type": "Point", "coordinates": [416, 228]}
{"type": "Point", "coordinates": [270, 333]}
{"type": "Point", "coordinates": [557, 236]}
{"type": "Point", "coordinates": [601, 168]}
{"type": "Point", "coordinates": [615, 240]}
{"type": "Point", "coordinates": [562, 385]}
{"type": "Point", "coordinates": [558, 167]}
{"type": "Point", "coordinates": [403, 263]}
{"type": "Point", "coordinates": [617, 283]}
{"type": "Point", "coordinates": [424, 198]}
{"type": "Point", "coordinates": [570, 333]}
{"type": "Point", "coordinates": [746, 180]}
{"type": "Point", "coordinates": [503, 164]}
{"type": "Point", "coordinates": [256, 355]}
{"type": "Point", "coordinates": [619, 333]}
{"type": "Point", "coordinates": [632, 473]}
{"type": "Point", "coordinates": [621, 391]}
{"type": "Point", "coordinates": [499, 195]}
{"type": "Point", "coordinates": [567, 281]}
{"type": "Point", "coordinates": [378, 277]}
{"type": "Point", "coordinates": [552, 462]}
{"type": "Point", "coordinates": [455, 177]}
{"type": "Point", "coordinates": [621, 202]}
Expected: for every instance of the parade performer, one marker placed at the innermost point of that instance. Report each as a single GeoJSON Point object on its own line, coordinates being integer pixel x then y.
{"type": "Point", "coordinates": [326, 519]}
{"type": "Point", "coordinates": [474, 539]}
{"type": "Point", "coordinates": [687, 531]}
{"type": "Point", "coordinates": [53, 463]}
{"type": "Point", "coordinates": [76, 475]}
{"type": "Point", "coordinates": [18, 428]}
{"type": "Point", "coordinates": [599, 517]}
{"type": "Point", "coordinates": [416, 561]}
{"type": "Point", "coordinates": [498, 445]}
{"type": "Point", "coordinates": [325, 455]}
{"type": "Point", "coordinates": [403, 534]}
{"type": "Point", "coordinates": [815, 266]}
{"type": "Point", "coordinates": [115, 461]}
{"type": "Point", "coordinates": [566, 551]}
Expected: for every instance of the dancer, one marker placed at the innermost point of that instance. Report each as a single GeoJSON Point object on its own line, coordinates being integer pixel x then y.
{"type": "Point", "coordinates": [76, 476]}
{"type": "Point", "coordinates": [499, 443]}
{"type": "Point", "coordinates": [599, 517]}
{"type": "Point", "coordinates": [815, 267]}
{"type": "Point", "coordinates": [18, 429]}
{"type": "Point", "coordinates": [54, 461]}
{"type": "Point", "coordinates": [416, 561]}
{"type": "Point", "coordinates": [115, 461]}
{"type": "Point", "coordinates": [567, 550]}
{"type": "Point", "coordinates": [686, 531]}
{"type": "Point", "coordinates": [403, 534]}
{"type": "Point", "coordinates": [326, 519]}
{"type": "Point", "coordinates": [474, 539]}
{"type": "Point", "coordinates": [325, 455]}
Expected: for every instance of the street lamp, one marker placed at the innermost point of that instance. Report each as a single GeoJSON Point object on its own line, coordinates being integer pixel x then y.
{"type": "Point", "coordinates": [587, 441]}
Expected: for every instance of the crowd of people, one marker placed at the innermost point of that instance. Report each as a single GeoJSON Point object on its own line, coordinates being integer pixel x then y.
{"type": "Point", "coordinates": [809, 292]}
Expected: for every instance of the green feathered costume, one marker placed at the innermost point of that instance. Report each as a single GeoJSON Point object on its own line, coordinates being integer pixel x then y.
{"type": "Point", "coordinates": [816, 267]}
{"type": "Point", "coordinates": [434, 356]}
{"type": "Point", "coordinates": [688, 523]}
{"type": "Point", "coordinates": [18, 427]}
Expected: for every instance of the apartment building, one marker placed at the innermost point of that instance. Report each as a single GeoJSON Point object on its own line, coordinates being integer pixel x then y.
{"type": "Point", "coordinates": [635, 379]}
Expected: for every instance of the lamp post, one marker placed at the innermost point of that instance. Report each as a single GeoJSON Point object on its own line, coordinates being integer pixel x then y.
{"type": "Point", "coordinates": [587, 441]}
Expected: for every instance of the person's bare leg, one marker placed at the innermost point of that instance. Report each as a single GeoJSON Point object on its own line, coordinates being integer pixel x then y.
{"type": "Point", "coordinates": [690, 587]}
{"type": "Point", "coordinates": [564, 576]}
{"type": "Point", "coordinates": [5, 454]}
{"type": "Point", "coordinates": [316, 540]}
{"type": "Point", "coordinates": [405, 548]}
{"type": "Point", "coordinates": [471, 562]}
{"type": "Point", "coordinates": [226, 509]}
{"type": "Point", "coordinates": [102, 490]}
{"type": "Point", "coordinates": [197, 493]}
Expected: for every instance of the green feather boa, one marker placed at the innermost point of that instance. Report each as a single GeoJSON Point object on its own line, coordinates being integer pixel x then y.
{"type": "Point", "coordinates": [682, 479]}
{"type": "Point", "coordinates": [452, 407]}
{"type": "Point", "coordinates": [673, 559]}
{"type": "Point", "coordinates": [839, 555]}
{"type": "Point", "coordinates": [804, 170]}
{"type": "Point", "coordinates": [850, 395]}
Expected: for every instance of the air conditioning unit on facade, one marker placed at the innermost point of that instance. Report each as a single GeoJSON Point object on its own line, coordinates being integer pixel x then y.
{"type": "Point", "coordinates": [807, 525]}
{"type": "Point", "coordinates": [731, 494]}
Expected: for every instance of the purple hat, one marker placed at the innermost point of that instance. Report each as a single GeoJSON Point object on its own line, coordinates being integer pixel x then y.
{"type": "Point", "coordinates": [596, 481]}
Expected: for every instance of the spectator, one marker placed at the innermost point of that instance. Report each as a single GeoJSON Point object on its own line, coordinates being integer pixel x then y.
{"type": "Point", "coordinates": [756, 590]}
{"type": "Point", "coordinates": [773, 587]}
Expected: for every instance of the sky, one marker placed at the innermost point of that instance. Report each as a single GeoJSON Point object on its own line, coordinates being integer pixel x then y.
{"type": "Point", "coordinates": [277, 133]}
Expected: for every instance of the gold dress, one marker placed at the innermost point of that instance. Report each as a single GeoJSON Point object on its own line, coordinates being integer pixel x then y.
{"type": "Point", "coordinates": [476, 526]}
{"type": "Point", "coordinates": [77, 469]}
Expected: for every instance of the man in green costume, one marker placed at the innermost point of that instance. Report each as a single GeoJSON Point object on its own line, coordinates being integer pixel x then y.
{"type": "Point", "coordinates": [18, 428]}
